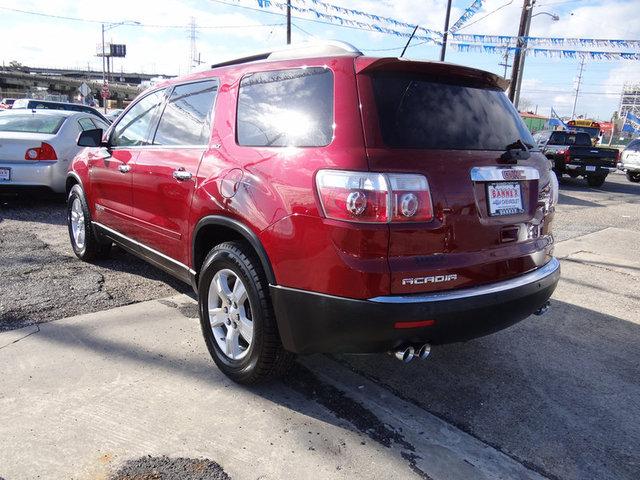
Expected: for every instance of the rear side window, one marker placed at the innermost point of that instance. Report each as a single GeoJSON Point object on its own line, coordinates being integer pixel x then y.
{"type": "Point", "coordinates": [49, 124]}
{"type": "Point", "coordinates": [133, 128]}
{"type": "Point", "coordinates": [186, 119]}
{"type": "Point", "coordinates": [566, 138]}
{"type": "Point", "coordinates": [286, 108]}
{"type": "Point", "coordinates": [86, 124]}
{"type": "Point", "coordinates": [416, 111]}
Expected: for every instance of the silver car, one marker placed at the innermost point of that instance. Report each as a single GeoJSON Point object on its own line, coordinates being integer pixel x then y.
{"type": "Point", "coordinates": [630, 161]}
{"type": "Point", "coordinates": [37, 146]}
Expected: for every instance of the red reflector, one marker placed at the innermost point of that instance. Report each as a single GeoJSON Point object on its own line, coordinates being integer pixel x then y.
{"type": "Point", "coordinates": [418, 324]}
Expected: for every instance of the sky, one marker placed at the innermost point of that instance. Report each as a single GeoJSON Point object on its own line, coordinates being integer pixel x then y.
{"type": "Point", "coordinates": [228, 28]}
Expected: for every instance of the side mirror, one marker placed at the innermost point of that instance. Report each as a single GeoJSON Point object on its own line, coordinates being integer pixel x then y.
{"type": "Point", "coordinates": [91, 138]}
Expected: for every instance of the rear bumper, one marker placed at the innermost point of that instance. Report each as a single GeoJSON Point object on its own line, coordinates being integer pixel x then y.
{"type": "Point", "coordinates": [315, 323]}
{"type": "Point", "coordinates": [582, 169]}
{"type": "Point", "coordinates": [51, 175]}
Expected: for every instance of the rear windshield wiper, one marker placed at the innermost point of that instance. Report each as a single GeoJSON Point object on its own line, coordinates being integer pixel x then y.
{"type": "Point", "coordinates": [515, 151]}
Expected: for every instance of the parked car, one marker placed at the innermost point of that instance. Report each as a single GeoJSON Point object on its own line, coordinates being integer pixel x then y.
{"type": "Point", "coordinates": [630, 161]}
{"type": "Point", "coordinates": [573, 154]}
{"type": "Point", "coordinates": [319, 200]}
{"type": "Point", "coordinates": [6, 103]}
{"type": "Point", "coordinates": [34, 104]}
{"type": "Point", "coordinates": [36, 147]}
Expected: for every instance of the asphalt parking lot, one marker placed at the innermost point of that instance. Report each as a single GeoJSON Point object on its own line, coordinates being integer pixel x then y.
{"type": "Point", "coordinates": [556, 396]}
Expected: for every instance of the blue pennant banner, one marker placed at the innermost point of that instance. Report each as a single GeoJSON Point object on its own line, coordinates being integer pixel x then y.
{"type": "Point", "coordinates": [468, 13]}
{"type": "Point", "coordinates": [547, 52]}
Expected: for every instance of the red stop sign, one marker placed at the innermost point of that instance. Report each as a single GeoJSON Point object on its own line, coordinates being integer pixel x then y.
{"type": "Point", "coordinates": [105, 91]}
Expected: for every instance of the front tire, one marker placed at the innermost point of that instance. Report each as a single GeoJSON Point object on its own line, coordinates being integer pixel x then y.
{"type": "Point", "coordinates": [633, 177]}
{"type": "Point", "coordinates": [85, 242]}
{"type": "Point", "coordinates": [596, 180]}
{"type": "Point", "coordinates": [237, 318]}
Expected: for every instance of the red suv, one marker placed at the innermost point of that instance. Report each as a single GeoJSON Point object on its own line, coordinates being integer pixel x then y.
{"type": "Point", "coordinates": [319, 200]}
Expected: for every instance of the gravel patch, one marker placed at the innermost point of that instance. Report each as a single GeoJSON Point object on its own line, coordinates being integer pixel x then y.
{"type": "Point", "coordinates": [165, 468]}
{"type": "Point", "coordinates": [42, 280]}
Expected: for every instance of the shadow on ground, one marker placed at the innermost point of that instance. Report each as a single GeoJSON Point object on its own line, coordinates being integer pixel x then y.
{"type": "Point", "coordinates": [560, 393]}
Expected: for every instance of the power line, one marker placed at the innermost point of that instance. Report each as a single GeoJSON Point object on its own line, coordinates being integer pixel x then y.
{"type": "Point", "coordinates": [482, 18]}
{"type": "Point", "coordinates": [147, 25]}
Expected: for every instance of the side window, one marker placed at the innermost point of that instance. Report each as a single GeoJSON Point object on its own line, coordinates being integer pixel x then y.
{"type": "Point", "coordinates": [133, 128]}
{"type": "Point", "coordinates": [286, 108]}
{"type": "Point", "coordinates": [86, 124]}
{"type": "Point", "coordinates": [186, 119]}
{"type": "Point", "coordinates": [100, 124]}
{"type": "Point", "coordinates": [634, 146]}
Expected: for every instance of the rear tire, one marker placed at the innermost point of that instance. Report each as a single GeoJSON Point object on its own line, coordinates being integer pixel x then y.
{"type": "Point", "coordinates": [237, 318]}
{"type": "Point", "coordinates": [633, 177]}
{"type": "Point", "coordinates": [86, 244]}
{"type": "Point", "coordinates": [596, 180]}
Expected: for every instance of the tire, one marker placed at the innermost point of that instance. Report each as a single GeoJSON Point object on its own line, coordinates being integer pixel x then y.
{"type": "Point", "coordinates": [596, 180]}
{"type": "Point", "coordinates": [242, 336]}
{"type": "Point", "coordinates": [85, 243]}
{"type": "Point", "coordinates": [633, 177]}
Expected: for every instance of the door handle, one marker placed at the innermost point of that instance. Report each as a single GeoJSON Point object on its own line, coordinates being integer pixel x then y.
{"type": "Point", "coordinates": [182, 175]}
{"type": "Point", "coordinates": [124, 168]}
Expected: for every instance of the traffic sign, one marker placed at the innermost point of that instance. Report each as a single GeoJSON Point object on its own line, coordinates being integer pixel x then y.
{"type": "Point", "coordinates": [105, 93]}
{"type": "Point", "coordinates": [84, 89]}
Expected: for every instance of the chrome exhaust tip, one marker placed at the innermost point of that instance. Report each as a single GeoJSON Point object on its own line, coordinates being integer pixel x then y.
{"type": "Point", "coordinates": [405, 354]}
{"type": "Point", "coordinates": [543, 309]}
{"type": "Point", "coordinates": [424, 351]}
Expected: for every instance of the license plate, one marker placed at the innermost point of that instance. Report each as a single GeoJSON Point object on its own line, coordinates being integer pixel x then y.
{"type": "Point", "coordinates": [591, 168]}
{"type": "Point", "coordinates": [5, 174]}
{"type": "Point", "coordinates": [505, 198]}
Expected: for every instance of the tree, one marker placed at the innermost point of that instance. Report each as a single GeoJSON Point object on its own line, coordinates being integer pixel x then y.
{"type": "Point", "coordinates": [15, 65]}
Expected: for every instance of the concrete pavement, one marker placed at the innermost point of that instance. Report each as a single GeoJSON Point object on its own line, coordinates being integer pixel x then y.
{"type": "Point", "coordinates": [82, 395]}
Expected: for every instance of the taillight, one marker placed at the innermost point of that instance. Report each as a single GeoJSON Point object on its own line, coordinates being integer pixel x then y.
{"type": "Point", "coordinates": [374, 197]}
{"type": "Point", "coordinates": [43, 152]}
{"type": "Point", "coordinates": [567, 156]}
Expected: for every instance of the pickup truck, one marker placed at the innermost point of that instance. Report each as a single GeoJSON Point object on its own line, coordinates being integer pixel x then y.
{"type": "Point", "coordinates": [571, 153]}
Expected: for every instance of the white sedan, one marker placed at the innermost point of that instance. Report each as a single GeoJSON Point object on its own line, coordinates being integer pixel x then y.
{"type": "Point", "coordinates": [37, 146]}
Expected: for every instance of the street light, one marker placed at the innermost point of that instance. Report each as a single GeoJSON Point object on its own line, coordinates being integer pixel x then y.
{"type": "Point", "coordinates": [523, 50]}
{"type": "Point", "coordinates": [105, 28]}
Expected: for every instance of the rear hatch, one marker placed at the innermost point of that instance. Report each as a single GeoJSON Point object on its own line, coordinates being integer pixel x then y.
{"type": "Point", "coordinates": [454, 125]}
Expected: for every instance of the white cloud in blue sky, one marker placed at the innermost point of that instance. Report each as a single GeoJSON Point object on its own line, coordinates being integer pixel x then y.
{"type": "Point", "coordinates": [37, 40]}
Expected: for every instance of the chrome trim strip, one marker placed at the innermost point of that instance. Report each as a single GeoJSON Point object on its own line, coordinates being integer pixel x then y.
{"type": "Point", "coordinates": [550, 268]}
{"type": "Point", "coordinates": [161, 147]}
{"type": "Point", "coordinates": [142, 245]}
{"type": "Point", "coordinates": [487, 174]}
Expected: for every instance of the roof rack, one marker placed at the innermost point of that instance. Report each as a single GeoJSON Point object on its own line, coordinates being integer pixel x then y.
{"type": "Point", "coordinates": [300, 50]}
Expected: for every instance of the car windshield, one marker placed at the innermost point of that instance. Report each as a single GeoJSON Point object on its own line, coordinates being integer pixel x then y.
{"type": "Point", "coordinates": [427, 113]}
{"type": "Point", "coordinates": [49, 124]}
{"type": "Point", "coordinates": [568, 138]}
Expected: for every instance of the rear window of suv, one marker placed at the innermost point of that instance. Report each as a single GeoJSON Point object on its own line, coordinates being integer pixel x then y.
{"type": "Point", "coordinates": [286, 108]}
{"type": "Point", "coordinates": [416, 111]}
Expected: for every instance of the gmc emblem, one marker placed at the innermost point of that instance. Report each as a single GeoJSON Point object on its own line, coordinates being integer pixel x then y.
{"type": "Point", "coordinates": [512, 174]}
{"type": "Point", "coordinates": [433, 279]}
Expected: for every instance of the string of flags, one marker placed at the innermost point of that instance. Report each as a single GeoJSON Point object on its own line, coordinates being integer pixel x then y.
{"type": "Point", "coordinates": [548, 53]}
{"type": "Point", "coordinates": [547, 41]}
{"type": "Point", "coordinates": [469, 12]}
{"type": "Point", "coordinates": [496, 44]}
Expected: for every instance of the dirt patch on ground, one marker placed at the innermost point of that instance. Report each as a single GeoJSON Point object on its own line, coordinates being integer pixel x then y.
{"type": "Point", "coordinates": [165, 468]}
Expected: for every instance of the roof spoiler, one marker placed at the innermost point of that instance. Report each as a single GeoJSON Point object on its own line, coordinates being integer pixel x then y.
{"type": "Point", "coordinates": [370, 64]}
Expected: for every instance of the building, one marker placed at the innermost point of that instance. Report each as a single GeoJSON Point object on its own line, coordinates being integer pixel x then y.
{"type": "Point", "coordinates": [629, 100]}
{"type": "Point", "coordinates": [534, 122]}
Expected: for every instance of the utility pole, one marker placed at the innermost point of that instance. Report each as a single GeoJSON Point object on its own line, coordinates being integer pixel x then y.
{"type": "Point", "coordinates": [104, 78]}
{"type": "Point", "coordinates": [506, 62]}
{"type": "Point", "coordinates": [575, 100]}
{"type": "Point", "coordinates": [288, 22]}
{"type": "Point", "coordinates": [525, 18]}
{"type": "Point", "coordinates": [192, 44]}
{"type": "Point", "coordinates": [446, 31]}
